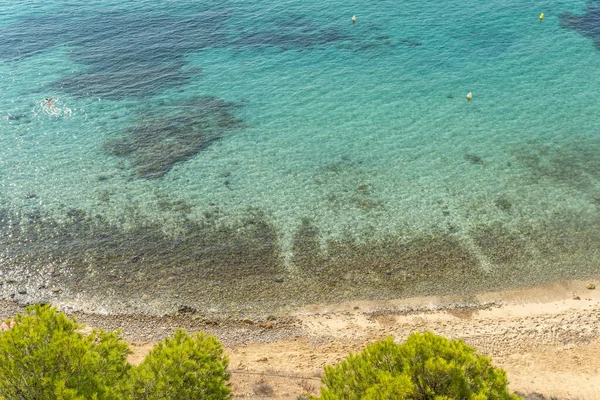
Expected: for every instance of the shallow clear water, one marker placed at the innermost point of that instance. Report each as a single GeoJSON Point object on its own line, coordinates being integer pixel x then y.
{"type": "Point", "coordinates": [270, 154]}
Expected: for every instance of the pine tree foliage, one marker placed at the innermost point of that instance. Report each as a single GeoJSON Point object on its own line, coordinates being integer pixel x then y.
{"type": "Point", "coordinates": [185, 367]}
{"type": "Point", "coordinates": [425, 367]}
{"type": "Point", "coordinates": [43, 356]}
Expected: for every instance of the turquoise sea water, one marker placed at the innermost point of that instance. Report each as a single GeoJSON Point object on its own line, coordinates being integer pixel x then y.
{"type": "Point", "coordinates": [260, 154]}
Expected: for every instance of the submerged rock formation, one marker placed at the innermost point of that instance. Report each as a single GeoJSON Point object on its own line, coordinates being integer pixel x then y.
{"type": "Point", "coordinates": [174, 133]}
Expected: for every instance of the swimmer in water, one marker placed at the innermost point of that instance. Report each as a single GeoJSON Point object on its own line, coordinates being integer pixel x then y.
{"type": "Point", "coordinates": [48, 101]}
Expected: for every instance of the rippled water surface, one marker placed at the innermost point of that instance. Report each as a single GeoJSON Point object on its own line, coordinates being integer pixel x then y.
{"type": "Point", "coordinates": [257, 155]}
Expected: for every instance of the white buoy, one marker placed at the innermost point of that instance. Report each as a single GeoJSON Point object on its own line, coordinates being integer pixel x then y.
{"type": "Point", "coordinates": [354, 19]}
{"type": "Point", "coordinates": [469, 96]}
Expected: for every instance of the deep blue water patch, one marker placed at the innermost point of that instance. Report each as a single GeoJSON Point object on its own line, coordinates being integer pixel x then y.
{"type": "Point", "coordinates": [132, 54]}
{"type": "Point", "coordinates": [142, 53]}
{"type": "Point", "coordinates": [586, 24]}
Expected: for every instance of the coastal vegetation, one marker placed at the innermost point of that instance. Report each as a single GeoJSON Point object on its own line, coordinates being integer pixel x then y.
{"type": "Point", "coordinates": [44, 355]}
{"type": "Point", "coordinates": [424, 367]}
{"type": "Point", "coordinates": [184, 367]}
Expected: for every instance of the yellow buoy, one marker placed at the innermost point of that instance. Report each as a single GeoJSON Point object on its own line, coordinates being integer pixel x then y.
{"type": "Point", "coordinates": [354, 19]}
{"type": "Point", "coordinates": [469, 96]}
{"type": "Point", "coordinates": [541, 17]}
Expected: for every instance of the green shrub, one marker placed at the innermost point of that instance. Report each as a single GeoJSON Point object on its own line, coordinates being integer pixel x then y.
{"type": "Point", "coordinates": [44, 357]}
{"type": "Point", "coordinates": [183, 368]}
{"type": "Point", "coordinates": [425, 367]}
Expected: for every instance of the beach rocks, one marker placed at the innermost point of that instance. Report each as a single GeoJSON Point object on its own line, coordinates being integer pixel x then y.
{"type": "Point", "coordinates": [268, 325]}
{"type": "Point", "coordinates": [591, 286]}
{"type": "Point", "coordinates": [183, 309]}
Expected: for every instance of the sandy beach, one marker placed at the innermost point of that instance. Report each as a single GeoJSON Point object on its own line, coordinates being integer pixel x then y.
{"type": "Point", "coordinates": [546, 337]}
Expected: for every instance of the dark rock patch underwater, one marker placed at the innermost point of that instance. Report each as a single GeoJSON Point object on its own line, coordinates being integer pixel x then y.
{"type": "Point", "coordinates": [292, 33]}
{"type": "Point", "coordinates": [586, 24]}
{"type": "Point", "coordinates": [576, 165]}
{"type": "Point", "coordinates": [173, 133]}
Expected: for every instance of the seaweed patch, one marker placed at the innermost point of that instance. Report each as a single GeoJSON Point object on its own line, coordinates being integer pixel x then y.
{"type": "Point", "coordinates": [474, 159]}
{"type": "Point", "coordinates": [292, 33]}
{"type": "Point", "coordinates": [175, 133]}
{"type": "Point", "coordinates": [576, 165]}
{"type": "Point", "coordinates": [345, 184]}
{"type": "Point", "coordinates": [500, 245]}
{"type": "Point", "coordinates": [587, 24]}
{"type": "Point", "coordinates": [235, 263]}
